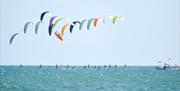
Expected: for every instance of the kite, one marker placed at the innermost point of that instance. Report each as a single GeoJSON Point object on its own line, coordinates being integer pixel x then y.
{"type": "Point", "coordinates": [26, 26]}
{"type": "Point", "coordinates": [51, 23]}
{"type": "Point", "coordinates": [52, 19]}
{"type": "Point", "coordinates": [96, 21]}
{"type": "Point", "coordinates": [115, 18]}
{"type": "Point", "coordinates": [43, 14]}
{"type": "Point", "coordinates": [82, 23]}
{"type": "Point", "coordinates": [72, 25]}
{"type": "Point", "coordinates": [37, 26]}
{"type": "Point", "coordinates": [12, 38]}
{"type": "Point", "coordinates": [57, 21]}
{"type": "Point", "coordinates": [89, 23]}
{"type": "Point", "coordinates": [59, 35]}
{"type": "Point", "coordinates": [50, 29]}
{"type": "Point", "coordinates": [64, 28]}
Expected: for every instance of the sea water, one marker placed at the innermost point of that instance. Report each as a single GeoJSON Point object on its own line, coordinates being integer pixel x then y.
{"type": "Point", "coordinates": [48, 78]}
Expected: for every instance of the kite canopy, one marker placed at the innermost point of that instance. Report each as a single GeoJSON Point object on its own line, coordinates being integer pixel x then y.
{"type": "Point", "coordinates": [64, 28]}
{"type": "Point", "coordinates": [50, 29]}
{"type": "Point", "coordinates": [12, 38]}
{"type": "Point", "coordinates": [43, 14]}
{"type": "Point", "coordinates": [37, 26]}
{"type": "Point", "coordinates": [115, 18]}
{"type": "Point", "coordinates": [59, 36]}
{"type": "Point", "coordinates": [26, 26]}
{"type": "Point", "coordinates": [72, 25]}
{"type": "Point", "coordinates": [57, 21]}
{"type": "Point", "coordinates": [96, 21]}
{"type": "Point", "coordinates": [89, 23]}
{"type": "Point", "coordinates": [51, 24]}
{"type": "Point", "coordinates": [52, 20]}
{"type": "Point", "coordinates": [82, 23]}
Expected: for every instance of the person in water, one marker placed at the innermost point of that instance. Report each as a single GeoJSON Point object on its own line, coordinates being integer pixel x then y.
{"type": "Point", "coordinates": [115, 66]}
{"type": "Point", "coordinates": [56, 66]}
{"type": "Point", "coordinates": [109, 66]}
{"type": "Point", "coordinates": [84, 67]}
{"type": "Point", "coordinates": [125, 65]}
{"type": "Point", "coordinates": [164, 67]}
{"type": "Point", "coordinates": [40, 66]}
{"type": "Point", "coordinates": [104, 66]}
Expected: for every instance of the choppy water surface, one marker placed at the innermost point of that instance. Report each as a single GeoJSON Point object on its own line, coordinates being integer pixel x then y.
{"type": "Point", "coordinates": [48, 78]}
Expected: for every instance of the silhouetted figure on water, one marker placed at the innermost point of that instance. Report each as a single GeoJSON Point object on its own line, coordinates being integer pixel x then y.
{"type": "Point", "coordinates": [115, 66]}
{"type": "Point", "coordinates": [95, 66]}
{"type": "Point", "coordinates": [109, 66]}
{"type": "Point", "coordinates": [84, 67]}
{"type": "Point", "coordinates": [104, 66]}
{"type": "Point", "coordinates": [56, 66]}
{"type": "Point", "coordinates": [125, 65]}
{"type": "Point", "coordinates": [40, 66]}
{"type": "Point", "coordinates": [164, 67]}
{"type": "Point", "coordinates": [67, 66]}
{"type": "Point", "coordinates": [21, 65]}
{"type": "Point", "coordinates": [88, 66]}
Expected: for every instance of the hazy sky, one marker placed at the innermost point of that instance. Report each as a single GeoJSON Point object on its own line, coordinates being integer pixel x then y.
{"type": "Point", "coordinates": [150, 32]}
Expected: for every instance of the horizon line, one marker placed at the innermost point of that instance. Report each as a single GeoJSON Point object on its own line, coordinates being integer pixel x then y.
{"type": "Point", "coordinates": [73, 65]}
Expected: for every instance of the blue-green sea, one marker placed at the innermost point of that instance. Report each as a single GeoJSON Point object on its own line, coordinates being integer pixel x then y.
{"type": "Point", "coordinates": [78, 78]}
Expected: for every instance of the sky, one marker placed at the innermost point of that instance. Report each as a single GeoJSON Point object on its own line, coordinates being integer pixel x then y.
{"type": "Point", "coordinates": [149, 33]}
